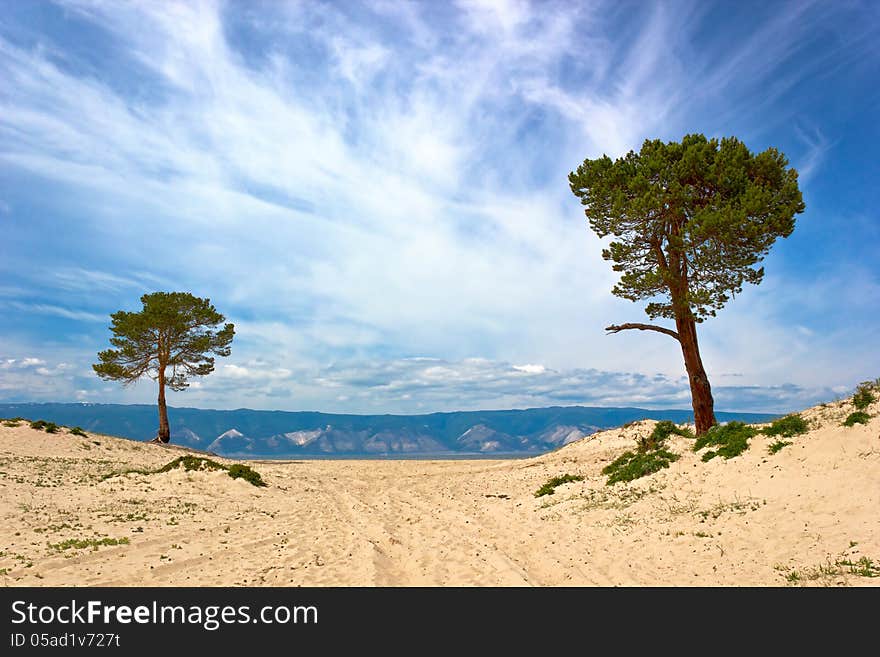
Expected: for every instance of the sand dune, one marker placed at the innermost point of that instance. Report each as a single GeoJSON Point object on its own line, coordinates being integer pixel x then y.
{"type": "Point", "coordinates": [798, 517]}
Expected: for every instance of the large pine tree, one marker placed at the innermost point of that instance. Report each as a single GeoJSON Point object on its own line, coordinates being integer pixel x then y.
{"type": "Point", "coordinates": [689, 222]}
{"type": "Point", "coordinates": [174, 330]}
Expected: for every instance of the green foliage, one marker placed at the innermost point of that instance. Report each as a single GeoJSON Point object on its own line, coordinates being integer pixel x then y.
{"type": "Point", "coordinates": [630, 466]}
{"type": "Point", "coordinates": [859, 417]}
{"type": "Point", "coordinates": [241, 471]}
{"type": "Point", "coordinates": [236, 471]}
{"type": "Point", "coordinates": [553, 482]}
{"type": "Point", "coordinates": [42, 425]}
{"type": "Point", "coordinates": [174, 329]}
{"type": "Point", "coordinates": [788, 426]}
{"type": "Point", "coordinates": [864, 567]}
{"type": "Point", "coordinates": [864, 396]}
{"type": "Point", "coordinates": [78, 431]}
{"type": "Point", "coordinates": [190, 463]}
{"type": "Point", "coordinates": [82, 543]}
{"type": "Point", "coordinates": [661, 432]}
{"type": "Point", "coordinates": [731, 439]}
{"type": "Point", "coordinates": [690, 220]}
{"type": "Point", "coordinates": [778, 445]}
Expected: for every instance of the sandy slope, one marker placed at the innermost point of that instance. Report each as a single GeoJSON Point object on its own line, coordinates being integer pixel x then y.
{"type": "Point", "coordinates": [752, 520]}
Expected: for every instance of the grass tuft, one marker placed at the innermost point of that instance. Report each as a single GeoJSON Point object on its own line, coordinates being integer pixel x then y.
{"type": "Point", "coordinates": [550, 487]}
{"type": "Point", "coordinates": [192, 463]}
{"type": "Point", "coordinates": [630, 466]}
{"type": "Point", "coordinates": [82, 543]}
{"type": "Point", "coordinates": [787, 427]}
{"type": "Point", "coordinates": [864, 395]}
{"type": "Point", "coordinates": [778, 445]}
{"type": "Point", "coordinates": [731, 439]}
{"type": "Point", "coordinates": [859, 417]}
{"type": "Point", "coordinates": [661, 432]}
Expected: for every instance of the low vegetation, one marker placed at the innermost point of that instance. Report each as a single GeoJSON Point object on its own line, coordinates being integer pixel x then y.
{"type": "Point", "coordinates": [550, 487]}
{"type": "Point", "coordinates": [42, 425]}
{"type": "Point", "coordinates": [192, 463]}
{"type": "Point", "coordinates": [650, 456]}
{"type": "Point", "coordinates": [661, 432]}
{"type": "Point", "coordinates": [862, 567]}
{"type": "Point", "coordinates": [778, 445]}
{"type": "Point", "coordinates": [83, 543]}
{"type": "Point", "coordinates": [864, 395]}
{"type": "Point", "coordinates": [78, 431]}
{"type": "Point", "coordinates": [730, 440]}
{"type": "Point", "coordinates": [787, 427]}
{"type": "Point", "coordinates": [861, 400]}
{"type": "Point", "coordinates": [859, 417]}
{"type": "Point", "coordinates": [629, 466]}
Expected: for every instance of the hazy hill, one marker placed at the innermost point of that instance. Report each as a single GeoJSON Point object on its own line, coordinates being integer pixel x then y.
{"type": "Point", "coordinates": [245, 432]}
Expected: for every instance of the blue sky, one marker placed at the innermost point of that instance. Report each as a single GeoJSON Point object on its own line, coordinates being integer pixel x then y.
{"type": "Point", "coordinates": [376, 195]}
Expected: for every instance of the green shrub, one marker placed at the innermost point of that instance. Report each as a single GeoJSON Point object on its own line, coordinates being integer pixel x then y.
{"type": "Point", "coordinates": [864, 396]}
{"type": "Point", "coordinates": [236, 471]}
{"type": "Point", "coordinates": [82, 543]}
{"type": "Point", "coordinates": [550, 486]}
{"type": "Point", "coordinates": [788, 426]}
{"type": "Point", "coordinates": [189, 463]}
{"type": "Point", "coordinates": [859, 417]}
{"type": "Point", "coordinates": [778, 445]}
{"type": "Point", "coordinates": [42, 425]}
{"type": "Point", "coordinates": [662, 431]}
{"type": "Point", "coordinates": [732, 439]}
{"type": "Point", "coordinates": [78, 431]}
{"type": "Point", "coordinates": [241, 471]}
{"type": "Point", "coordinates": [629, 466]}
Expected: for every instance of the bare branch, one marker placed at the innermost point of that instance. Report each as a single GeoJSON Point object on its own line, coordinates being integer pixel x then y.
{"type": "Point", "coordinates": [616, 328]}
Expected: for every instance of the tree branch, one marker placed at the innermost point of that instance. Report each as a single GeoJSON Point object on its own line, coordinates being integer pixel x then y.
{"type": "Point", "coordinates": [616, 328]}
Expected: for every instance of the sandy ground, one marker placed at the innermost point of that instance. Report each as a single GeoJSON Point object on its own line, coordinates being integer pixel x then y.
{"type": "Point", "coordinates": [788, 519]}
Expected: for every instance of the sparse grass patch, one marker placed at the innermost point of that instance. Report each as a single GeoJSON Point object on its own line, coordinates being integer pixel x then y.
{"type": "Point", "coordinates": [192, 463]}
{"type": "Point", "coordinates": [738, 506]}
{"type": "Point", "coordinates": [864, 567]}
{"type": "Point", "coordinates": [241, 471]}
{"type": "Point", "coordinates": [550, 487]}
{"type": "Point", "coordinates": [787, 427]}
{"type": "Point", "coordinates": [78, 431]}
{"type": "Point", "coordinates": [661, 432]}
{"type": "Point", "coordinates": [42, 425]}
{"type": "Point", "coordinates": [859, 417]}
{"type": "Point", "coordinates": [778, 445]}
{"type": "Point", "coordinates": [732, 439]}
{"type": "Point", "coordinates": [83, 543]}
{"type": "Point", "coordinates": [864, 395]}
{"type": "Point", "coordinates": [629, 466]}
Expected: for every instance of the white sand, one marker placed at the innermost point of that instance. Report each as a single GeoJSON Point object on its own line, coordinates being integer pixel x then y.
{"type": "Point", "coordinates": [751, 520]}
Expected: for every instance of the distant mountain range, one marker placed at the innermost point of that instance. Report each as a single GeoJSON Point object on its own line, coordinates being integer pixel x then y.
{"type": "Point", "coordinates": [280, 434]}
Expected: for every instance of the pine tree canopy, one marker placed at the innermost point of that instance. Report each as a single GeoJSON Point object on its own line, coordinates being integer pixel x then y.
{"type": "Point", "coordinates": [689, 221]}
{"type": "Point", "coordinates": [175, 330]}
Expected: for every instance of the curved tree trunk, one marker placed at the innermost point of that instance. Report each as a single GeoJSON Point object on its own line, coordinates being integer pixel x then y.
{"type": "Point", "coordinates": [701, 391]}
{"type": "Point", "coordinates": [164, 434]}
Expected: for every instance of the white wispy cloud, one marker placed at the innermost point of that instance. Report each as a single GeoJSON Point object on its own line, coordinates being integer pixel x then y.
{"type": "Point", "coordinates": [373, 189]}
